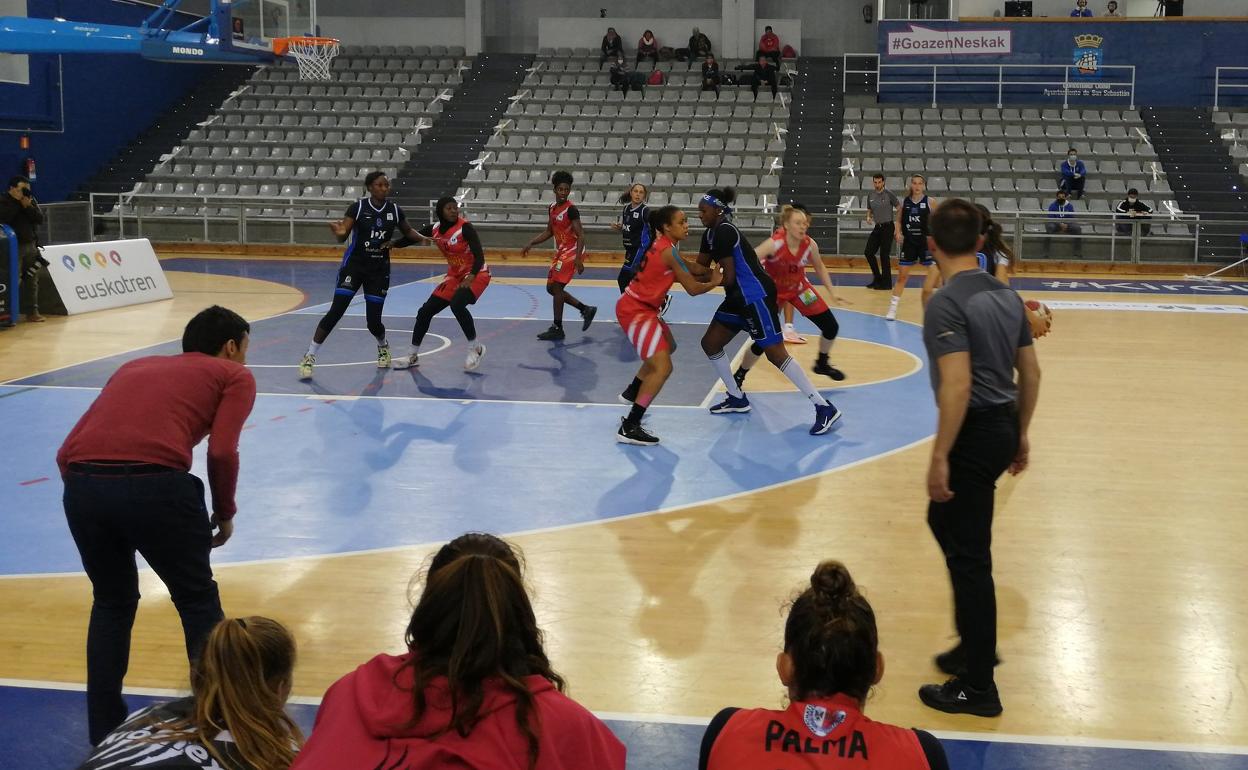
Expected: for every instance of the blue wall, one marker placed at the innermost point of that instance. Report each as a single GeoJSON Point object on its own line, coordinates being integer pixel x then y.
{"type": "Point", "coordinates": [1174, 59]}
{"type": "Point", "coordinates": [109, 100]}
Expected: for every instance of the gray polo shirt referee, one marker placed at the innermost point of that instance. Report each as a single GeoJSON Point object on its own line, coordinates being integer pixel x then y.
{"type": "Point", "coordinates": [977, 336]}
{"type": "Point", "coordinates": [882, 208]}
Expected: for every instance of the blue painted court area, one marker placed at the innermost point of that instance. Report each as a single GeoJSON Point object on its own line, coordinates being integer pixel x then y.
{"type": "Point", "coordinates": [43, 728]}
{"type": "Point", "coordinates": [361, 458]}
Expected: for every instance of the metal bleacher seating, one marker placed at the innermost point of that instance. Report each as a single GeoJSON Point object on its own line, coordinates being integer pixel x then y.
{"type": "Point", "coordinates": [281, 137]}
{"type": "Point", "coordinates": [675, 138]}
{"type": "Point", "coordinates": [1007, 159]}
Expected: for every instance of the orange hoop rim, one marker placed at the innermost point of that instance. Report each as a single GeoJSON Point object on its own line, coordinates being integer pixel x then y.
{"type": "Point", "coordinates": [282, 44]}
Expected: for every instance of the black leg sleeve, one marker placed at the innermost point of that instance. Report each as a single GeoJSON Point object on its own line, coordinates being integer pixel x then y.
{"type": "Point", "coordinates": [336, 310]}
{"type": "Point", "coordinates": [424, 316]}
{"type": "Point", "coordinates": [459, 306]}
{"type": "Point", "coordinates": [827, 324]}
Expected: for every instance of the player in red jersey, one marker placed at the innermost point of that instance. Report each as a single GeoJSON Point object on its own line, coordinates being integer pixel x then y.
{"type": "Point", "coordinates": [830, 661]}
{"type": "Point", "coordinates": [638, 312]}
{"type": "Point", "coordinates": [565, 227]}
{"type": "Point", "coordinates": [785, 256]}
{"type": "Point", "coordinates": [466, 279]}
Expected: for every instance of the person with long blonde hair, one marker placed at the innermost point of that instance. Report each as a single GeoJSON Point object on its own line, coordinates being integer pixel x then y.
{"type": "Point", "coordinates": [235, 717]}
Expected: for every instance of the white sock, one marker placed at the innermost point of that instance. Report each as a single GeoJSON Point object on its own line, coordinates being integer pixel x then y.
{"type": "Point", "coordinates": [415, 351]}
{"type": "Point", "coordinates": [825, 345]}
{"type": "Point", "coordinates": [788, 327]}
{"type": "Point", "coordinates": [894, 300]}
{"type": "Point", "coordinates": [798, 377]}
{"type": "Point", "coordinates": [313, 348]}
{"type": "Point", "coordinates": [724, 369]}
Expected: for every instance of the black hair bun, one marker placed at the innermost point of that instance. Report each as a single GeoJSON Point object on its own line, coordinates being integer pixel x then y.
{"type": "Point", "coordinates": [832, 582]}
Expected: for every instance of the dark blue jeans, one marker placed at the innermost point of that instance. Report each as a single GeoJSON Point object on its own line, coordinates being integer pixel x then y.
{"type": "Point", "coordinates": [161, 516]}
{"type": "Point", "coordinates": [983, 450]}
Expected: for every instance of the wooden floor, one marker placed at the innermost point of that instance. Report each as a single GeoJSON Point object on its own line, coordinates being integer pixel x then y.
{"type": "Point", "coordinates": [1120, 567]}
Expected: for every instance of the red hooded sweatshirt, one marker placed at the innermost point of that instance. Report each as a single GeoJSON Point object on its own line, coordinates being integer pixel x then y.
{"type": "Point", "coordinates": [361, 725]}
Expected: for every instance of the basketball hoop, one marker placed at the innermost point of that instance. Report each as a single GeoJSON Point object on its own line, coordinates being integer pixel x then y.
{"type": "Point", "coordinates": [314, 55]}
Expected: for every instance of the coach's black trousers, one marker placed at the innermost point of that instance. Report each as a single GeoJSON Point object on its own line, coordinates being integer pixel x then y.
{"type": "Point", "coordinates": [984, 449]}
{"type": "Point", "coordinates": [114, 511]}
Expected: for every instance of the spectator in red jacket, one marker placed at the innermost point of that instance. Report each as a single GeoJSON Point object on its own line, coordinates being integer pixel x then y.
{"type": "Point", "coordinates": [769, 45]}
{"type": "Point", "coordinates": [475, 688]}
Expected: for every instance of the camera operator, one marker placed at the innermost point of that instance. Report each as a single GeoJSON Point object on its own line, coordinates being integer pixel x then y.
{"type": "Point", "coordinates": [20, 211]}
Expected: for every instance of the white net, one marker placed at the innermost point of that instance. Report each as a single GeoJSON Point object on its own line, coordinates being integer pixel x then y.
{"type": "Point", "coordinates": [314, 56]}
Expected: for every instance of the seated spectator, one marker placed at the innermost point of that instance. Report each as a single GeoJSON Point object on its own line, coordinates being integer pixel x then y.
{"type": "Point", "coordinates": [474, 689]}
{"type": "Point", "coordinates": [1074, 174]}
{"type": "Point", "coordinates": [769, 46]}
{"type": "Point", "coordinates": [1111, 10]}
{"type": "Point", "coordinates": [830, 662]}
{"type": "Point", "coordinates": [699, 47]}
{"type": "Point", "coordinates": [710, 75]}
{"type": "Point", "coordinates": [1081, 9]}
{"type": "Point", "coordinates": [235, 716]}
{"type": "Point", "coordinates": [762, 71]}
{"type": "Point", "coordinates": [1062, 212]}
{"type": "Point", "coordinates": [648, 48]}
{"type": "Point", "coordinates": [1132, 209]}
{"type": "Point", "coordinates": [623, 79]}
{"type": "Point", "coordinates": [612, 47]}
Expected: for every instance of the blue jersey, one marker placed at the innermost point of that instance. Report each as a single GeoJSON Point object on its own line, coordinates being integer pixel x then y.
{"type": "Point", "coordinates": [750, 283]}
{"type": "Point", "coordinates": [914, 216]}
{"type": "Point", "coordinates": [374, 228]}
{"type": "Point", "coordinates": [635, 222]}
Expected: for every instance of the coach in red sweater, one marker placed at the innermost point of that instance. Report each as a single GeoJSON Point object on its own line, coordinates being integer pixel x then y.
{"type": "Point", "coordinates": [128, 487]}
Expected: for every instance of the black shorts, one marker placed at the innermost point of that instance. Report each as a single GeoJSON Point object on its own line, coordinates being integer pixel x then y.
{"type": "Point", "coordinates": [914, 251]}
{"type": "Point", "coordinates": [375, 281]}
{"type": "Point", "coordinates": [760, 318]}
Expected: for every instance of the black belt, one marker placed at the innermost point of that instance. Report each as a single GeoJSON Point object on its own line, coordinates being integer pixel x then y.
{"type": "Point", "coordinates": [119, 468]}
{"type": "Point", "coordinates": [993, 410]}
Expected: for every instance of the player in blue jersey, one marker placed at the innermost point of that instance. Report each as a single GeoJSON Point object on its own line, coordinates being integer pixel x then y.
{"type": "Point", "coordinates": [911, 233]}
{"type": "Point", "coordinates": [749, 306]}
{"type": "Point", "coordinates": [368, 228]}
{"type": "Point", "coordinates": [634, 224]}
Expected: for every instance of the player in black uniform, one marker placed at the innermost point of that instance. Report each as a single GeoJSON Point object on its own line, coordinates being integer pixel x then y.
{"type": "Point", "coordinates": [750, 306]}
{"type": "Point", "coordinates": [912, 232]}
{"type": "Point", "coordinates": [368, 227]}
{"type": "Point", "coordinates": [635, 225]}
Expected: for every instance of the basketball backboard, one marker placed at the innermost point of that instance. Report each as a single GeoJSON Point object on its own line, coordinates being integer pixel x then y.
{"type": "Point", "coordinates": [253, 24]}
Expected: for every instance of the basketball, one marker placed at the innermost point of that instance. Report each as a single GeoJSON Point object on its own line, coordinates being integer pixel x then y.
{"type": "Point", "coordinates": [1042, 317]}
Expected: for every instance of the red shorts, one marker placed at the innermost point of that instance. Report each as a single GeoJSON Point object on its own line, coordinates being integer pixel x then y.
{"type": "Point", "coordinates": [450, 285]}
{"type": "Point", "coordinates": [807, 301]}
{"type": "Point", "coordinates": [643, 327]}
{"type": "Point", "coordinates": [562, 269]}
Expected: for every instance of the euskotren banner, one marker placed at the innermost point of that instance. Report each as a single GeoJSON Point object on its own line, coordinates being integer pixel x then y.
{"type": "Point", "coordinates": [106, 274]}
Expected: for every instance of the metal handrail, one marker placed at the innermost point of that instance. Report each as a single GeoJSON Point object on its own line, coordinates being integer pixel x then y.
{"type": "Point", "coordinates": [999, 80]}
{"type": "Point", "coordinates": [1218, 85]}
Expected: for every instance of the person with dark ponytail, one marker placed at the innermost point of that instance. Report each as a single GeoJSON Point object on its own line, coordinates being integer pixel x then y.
{"type": "Point", "coordinates": [994, 256]}
{"type": "Point", "coordinates": [465, 282]}
{"type": "Point", "coordinates": [750, 306]}
{"type": "Point", "coordinates": [474, 689]}
{"type": "Point", "coordinates": [830, 662]}
{"type": "Point", "coordinates": [634, 223]}
{"type": "Point", "coordinates": [638, 311]}
{"type": "Point", "coordinates": [235, 717]}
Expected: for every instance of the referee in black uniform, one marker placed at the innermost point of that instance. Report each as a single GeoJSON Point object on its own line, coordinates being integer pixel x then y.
{"type": "Point", "coordinates": [977, 335]}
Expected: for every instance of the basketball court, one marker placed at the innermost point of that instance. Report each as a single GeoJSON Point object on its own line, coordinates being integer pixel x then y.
{"type": "Point", "coordinates": [660, 574]}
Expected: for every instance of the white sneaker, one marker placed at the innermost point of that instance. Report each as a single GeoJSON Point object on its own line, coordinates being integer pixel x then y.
{"type": "Point", "coordinates": [405, 362]}
{"type": "Point", "coordinates": [305, 366]}
{"type": "Point", "coordinates": [475, 351]}
{"type": "Point", "coordinates": [891, 315]}
{"type": "Point", "coordinates": [383, 357]}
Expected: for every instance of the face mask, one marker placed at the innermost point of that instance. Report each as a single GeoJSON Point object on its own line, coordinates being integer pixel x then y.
{"type": "Point", "coordinates": [1131, 200]}
{"type": "Point", "coordinates": [1073, 158]}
